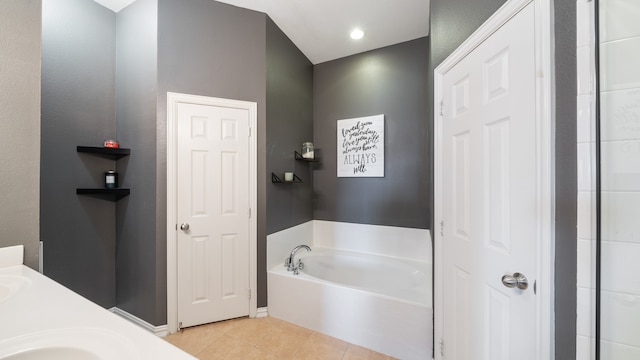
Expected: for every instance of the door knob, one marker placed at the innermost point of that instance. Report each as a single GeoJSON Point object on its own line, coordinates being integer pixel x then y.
{"type": "Point", "coordinates": [184, 226]}
{"type": "Point", "coordinates": [516, 280]}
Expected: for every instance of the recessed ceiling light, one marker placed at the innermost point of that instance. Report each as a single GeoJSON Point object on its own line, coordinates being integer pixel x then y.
{"type": "Point", "coordinates": [357, 34]}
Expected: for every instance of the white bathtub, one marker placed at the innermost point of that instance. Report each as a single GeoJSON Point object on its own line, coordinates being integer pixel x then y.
{"type": "Point", "coordinates": [378, 302]}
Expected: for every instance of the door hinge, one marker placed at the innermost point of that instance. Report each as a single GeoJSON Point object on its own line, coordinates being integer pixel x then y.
{"type": "Point", "coordinates": [249, 294]}
{"type": "Point", "coordinates": [249, 213]}
{"type": "Point", "coordinates": [442, 228]}
{"type": "Point", "coordinates": [441, 108]}
{"type": "Point", "coordinates": [441, 348]}
{"type": "Point", "coordinates": [249, 131]}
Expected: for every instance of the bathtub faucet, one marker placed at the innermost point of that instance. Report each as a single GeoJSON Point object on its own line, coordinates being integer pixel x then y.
{"type": "Point", "coordinates": [290, 263]}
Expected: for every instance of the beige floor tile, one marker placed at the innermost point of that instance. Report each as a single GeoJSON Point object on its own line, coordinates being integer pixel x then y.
{"type": "Point", "coordinates": [226, 347]}
{"type": "Point", "coordinates": [266, 339]}
{"type": "Point", "coordinates": [282, 341]}
{"type": "Point", "coordinates": [257, 354]}
{"type": "Point", "coordinates": [251, 330]}
{"type": "Point", "coordinates": [291, 327]}
{"type": "Point", "coordinates": [322, 347]}
{"type": "Point", "coordinates": [326, 340]}
{"type": "Point", "coordinates": [225, 326]}
{"type": "Point", "coordinates": [355, 352]}
{"type": "Point", "coordinates": [193, 340]}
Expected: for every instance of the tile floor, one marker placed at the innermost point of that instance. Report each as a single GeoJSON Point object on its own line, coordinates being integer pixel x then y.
{"type": "Point", "coordinates": [265, 338]}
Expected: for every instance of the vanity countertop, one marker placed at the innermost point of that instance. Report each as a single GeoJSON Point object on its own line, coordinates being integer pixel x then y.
{"type": "Point", "coordinates": [38, 314]}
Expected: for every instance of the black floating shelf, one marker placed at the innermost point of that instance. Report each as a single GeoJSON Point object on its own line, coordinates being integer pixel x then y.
{"type": "Point", "coordinates": [277, 180]}
{"type": "Point", "coordinates": [110, 194]}
{"type": "Point", "coordinates": [298, 156]}
{"type": "Point", "coordinates": [115, 153]}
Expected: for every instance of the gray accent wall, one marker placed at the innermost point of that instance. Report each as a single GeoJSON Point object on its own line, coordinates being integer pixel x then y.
{"type": "Point", "coordinates": [452, 21]}
{"type": "Point", "coordinates": [106, 76]}
{"type": "Point", "coordinates": [211, 49]}
{"type": "Point", "coordinates": [566, 179]}
{"type": "Point", "coordinates": [290, 123]}
{"type": "Point", "coordinates": [140, 254]}
{"type": "Point", "coordinates": [20, 36]}
{"type": "Point", "coordinates": [208, 48]}
{"type": "Point", "coordinates": [78, 108]}
{"type": "Point", "coordinates": [390, 81]}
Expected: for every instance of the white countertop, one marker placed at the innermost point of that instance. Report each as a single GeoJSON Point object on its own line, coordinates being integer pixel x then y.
{"type": "Point", "coordinates": [38, 313]}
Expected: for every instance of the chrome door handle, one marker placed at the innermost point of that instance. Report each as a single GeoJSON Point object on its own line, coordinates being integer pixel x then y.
{"type": "Point", "coordinates": [516, 280]}
{"type": "Point", "coordinates": [184, 226]}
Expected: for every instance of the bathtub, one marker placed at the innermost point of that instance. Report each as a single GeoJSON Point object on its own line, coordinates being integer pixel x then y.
{"type": "Point", "coordinates": [377, 302]}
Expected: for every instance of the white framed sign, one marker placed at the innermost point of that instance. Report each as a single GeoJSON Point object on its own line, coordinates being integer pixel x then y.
{"type": "Point", "coordinates": [361, 147]}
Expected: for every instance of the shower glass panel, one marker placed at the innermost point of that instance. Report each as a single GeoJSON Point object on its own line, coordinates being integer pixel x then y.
{"type": "Point", "coordinates": [619, 189]}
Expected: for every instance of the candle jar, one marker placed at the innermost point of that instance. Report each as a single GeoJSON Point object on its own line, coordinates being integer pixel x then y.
{"type": "Point", "coordinates": [112, 144]}
{"type": "Point", "coordinates": [111, 179]}
{"type": "Point", "coordinates": [307, 150]}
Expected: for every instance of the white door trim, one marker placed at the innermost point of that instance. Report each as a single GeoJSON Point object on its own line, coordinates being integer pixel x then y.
{"type": "Point", "coordinates": [545, 125]}
{"type": "Point", "coordinates": [173, 99]}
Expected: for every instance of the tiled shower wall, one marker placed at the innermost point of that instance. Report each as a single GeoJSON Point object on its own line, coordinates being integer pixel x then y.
{"type": "Point", "coordinates": [620, 180]}
{"type": "Point", "coordinates": [586, 180]}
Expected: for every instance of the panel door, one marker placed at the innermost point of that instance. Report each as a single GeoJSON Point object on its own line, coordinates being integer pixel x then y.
{"type": "Point", "coordinates": [489, 192]}
{"type": "Point", "coordinates": [212, 214]}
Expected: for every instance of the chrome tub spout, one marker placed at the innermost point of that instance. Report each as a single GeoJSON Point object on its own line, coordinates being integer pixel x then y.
{"type": "Point", "coordinates": [289, 262]}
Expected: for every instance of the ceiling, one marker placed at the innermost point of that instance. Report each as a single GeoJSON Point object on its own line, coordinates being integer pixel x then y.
{"type": "Point", "coordinates": [320, 29]}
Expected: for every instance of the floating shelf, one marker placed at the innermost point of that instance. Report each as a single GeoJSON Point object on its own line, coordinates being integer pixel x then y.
{"type": "Point", "coordinates": [298, 156]}
{"type": "Point", "coordinates": [277, 180]}
{"type": "Point", "coordinates": [111, 153]}
{"type": "Point", "coordinates": [110, 194]}
{"type": "Point", "coordinates": [115, 153]}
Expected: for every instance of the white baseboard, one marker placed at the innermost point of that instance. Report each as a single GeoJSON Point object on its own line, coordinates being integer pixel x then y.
{"type": "Point", "coordinates": [262, 312]}
{"type": "Point", "coordinates": [162, 330]}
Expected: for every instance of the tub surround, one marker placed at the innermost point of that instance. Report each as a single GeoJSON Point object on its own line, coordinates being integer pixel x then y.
{"type": "Point", "coordinates": [40, 315]}
{"type": "Point", "coordinates": [409, 243]}
{"type": "Point", "coordinates": [381, 240]}
{"type": "Point", "coordinates": [280, 244]}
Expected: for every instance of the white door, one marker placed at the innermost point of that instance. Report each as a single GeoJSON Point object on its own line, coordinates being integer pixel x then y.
{"type": "Point", "coordinates": [489, 206]}
{"type": "Point", "coordinates": [212, 213]}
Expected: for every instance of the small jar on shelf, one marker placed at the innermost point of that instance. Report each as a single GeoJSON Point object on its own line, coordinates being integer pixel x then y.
{"type": "Point", "coordinates": [111, 179]}
{"type": "Point", "coordinates": [307, 150]}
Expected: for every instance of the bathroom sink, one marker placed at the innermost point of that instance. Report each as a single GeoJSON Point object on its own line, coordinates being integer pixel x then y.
{"type": "Point", "coordinates": [69, 344]}
{"type": "Point", "coordinates": [11, 284]}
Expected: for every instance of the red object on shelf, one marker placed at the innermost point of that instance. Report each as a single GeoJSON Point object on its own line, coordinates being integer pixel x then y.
{"type": "Point", "coordinates": [111, 144]}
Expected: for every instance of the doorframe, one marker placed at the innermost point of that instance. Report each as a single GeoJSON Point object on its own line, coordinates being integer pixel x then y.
{"type": "Point", "coordinates": [173, 99]}
{"type": "Point", "coordinates": [545, 155]}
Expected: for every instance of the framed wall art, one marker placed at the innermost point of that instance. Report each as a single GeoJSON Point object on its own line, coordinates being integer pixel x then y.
{"type": "Point", "coordinates": [361, 147]}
